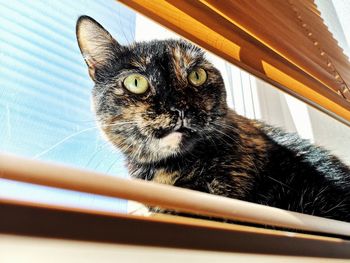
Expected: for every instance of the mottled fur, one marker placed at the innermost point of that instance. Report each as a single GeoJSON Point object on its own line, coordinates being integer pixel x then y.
{"type": "Point", "coordinates": [186, 136]}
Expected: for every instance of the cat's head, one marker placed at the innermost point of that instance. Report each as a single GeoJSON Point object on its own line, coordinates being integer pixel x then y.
{"type": "Point", "coordinates": [152, 100]}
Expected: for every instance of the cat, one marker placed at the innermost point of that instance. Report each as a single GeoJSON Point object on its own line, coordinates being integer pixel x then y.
{"type": "Point", "coordinates": [163, 104]}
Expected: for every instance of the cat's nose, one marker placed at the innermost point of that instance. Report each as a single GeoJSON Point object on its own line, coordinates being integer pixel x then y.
{"type": "Point", "coordinates": [180, 113]}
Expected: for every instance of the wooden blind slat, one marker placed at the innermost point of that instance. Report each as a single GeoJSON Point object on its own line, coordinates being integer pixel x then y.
{"type": "Point", "coordinates": [61, 224]}
{"type": "Point", "coordinates": [165, 196]}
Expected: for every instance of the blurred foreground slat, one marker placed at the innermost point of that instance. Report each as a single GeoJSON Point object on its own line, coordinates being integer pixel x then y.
{"type": "Point", "coordinates": [184, 200]}
{"type": "Point", "coordinates": [24, 219]}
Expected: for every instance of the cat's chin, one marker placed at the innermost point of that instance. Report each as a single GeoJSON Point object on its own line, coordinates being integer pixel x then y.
{"type": "Point", "coordinates": [175, 144]}
{"type": "Point", "coordinates": [158, 149]}
{"type": "Point", "coordinates": [171, 141]}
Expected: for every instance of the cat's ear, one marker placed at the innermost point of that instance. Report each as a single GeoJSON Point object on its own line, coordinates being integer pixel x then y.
{"type": "Point", "coordinates": [97, 46]}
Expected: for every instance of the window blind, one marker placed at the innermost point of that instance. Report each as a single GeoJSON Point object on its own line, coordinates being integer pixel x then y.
{"type": "Point", "coordinates": [283, 42]}
{"type": "Point", "coordinates": [45, 93]}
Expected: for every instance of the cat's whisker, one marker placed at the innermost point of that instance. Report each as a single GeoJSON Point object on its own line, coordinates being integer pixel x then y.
{"type": "Point", "coordinates": [336, 206]}
{"type": "Point", "coordinates": [121, 123]}
{"type": "Point", "coordinates": [222, 124]}
{"type": "Point", "coordinates": [209, 137]}
{"type": "Point", "coordinates": [96, 152]}
{"type": "Point", "coordinates": [281, 183]}
{"type": "Point", "coordinates": [62, 141]}
{"type": "Point", "coordinates": [111, 166]}
{"type": "Point", "coordinates": [97, 164]}
{"type": "Point", "coordinates": [125, 147]}
{"type": "Point", "coordinates": [226, 135]}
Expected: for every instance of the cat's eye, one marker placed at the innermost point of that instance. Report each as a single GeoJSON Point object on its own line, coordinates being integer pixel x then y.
{"type": "Point", "coordinates": [197, 77]}
{"type": "Point", "coordinates": [136, 83]}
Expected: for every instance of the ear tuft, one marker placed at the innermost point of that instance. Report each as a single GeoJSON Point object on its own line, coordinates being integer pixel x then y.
{"type": "Point", "coordinates": [96, 45]}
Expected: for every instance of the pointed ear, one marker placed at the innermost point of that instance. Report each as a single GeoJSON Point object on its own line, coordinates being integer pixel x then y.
{"type": "Point", "coordinates": [96, 45]}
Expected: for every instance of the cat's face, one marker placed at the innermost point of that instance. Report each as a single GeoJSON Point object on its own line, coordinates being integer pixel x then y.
{"type": "Point", "coordinates": [152, 100]}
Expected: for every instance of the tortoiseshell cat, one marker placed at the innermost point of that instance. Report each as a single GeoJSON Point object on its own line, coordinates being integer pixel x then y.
{"type": "Point", "coordinates": [164, 106]}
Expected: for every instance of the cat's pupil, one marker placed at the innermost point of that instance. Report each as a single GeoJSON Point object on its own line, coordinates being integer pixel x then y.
{"type": "Point", "coordinates": [135, 82]}
{"type": "Point", "coordinates": [197, 76]}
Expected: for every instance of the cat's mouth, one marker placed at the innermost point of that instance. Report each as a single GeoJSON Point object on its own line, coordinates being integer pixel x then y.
{"type": "Point", "coordinates": [185, 131]}
{"type": "Point", "coordinates": [182, 126]}
{"type": "Point", "coordinates": [175, 141]}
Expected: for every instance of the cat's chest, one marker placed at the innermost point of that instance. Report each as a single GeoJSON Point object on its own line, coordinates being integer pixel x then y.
{"type": "Point", "coordinates": [164, 176]}
{"type": "Point", "coordinates": [195, 175]}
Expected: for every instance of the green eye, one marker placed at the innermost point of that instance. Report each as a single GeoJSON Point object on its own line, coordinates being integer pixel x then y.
{"type": "Point", "coordinates": [136, 83]}
{"type": "Point", "coordinates": [197, 77]}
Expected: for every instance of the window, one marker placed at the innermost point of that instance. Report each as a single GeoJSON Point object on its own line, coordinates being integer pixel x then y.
{"type": "Point", "coordinates": [45, 92]}
{"type": "Point", "coordinates": [45, 89]}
